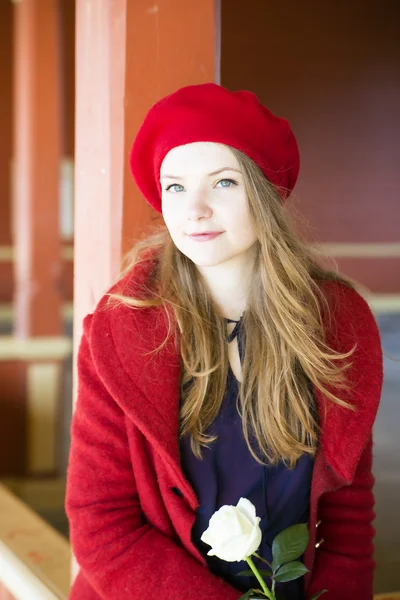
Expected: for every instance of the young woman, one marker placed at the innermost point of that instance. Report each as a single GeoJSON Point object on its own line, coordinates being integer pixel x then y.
{"type": "Point", "coordinates": [224, 363]}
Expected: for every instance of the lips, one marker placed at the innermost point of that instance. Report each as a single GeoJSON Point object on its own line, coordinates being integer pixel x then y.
{"type": "Point", "coordinates": [205, 237]}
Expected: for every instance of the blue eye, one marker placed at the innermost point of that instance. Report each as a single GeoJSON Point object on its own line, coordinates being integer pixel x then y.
{"type": "Point", "coordinates": [225, 183]}
{"type": "Point", "coordinates": [173, 185]}
{"type": "Point", "coordinates": [229, 181]}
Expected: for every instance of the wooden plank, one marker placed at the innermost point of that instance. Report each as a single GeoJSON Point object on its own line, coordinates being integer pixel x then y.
{"type": "Point", "coordinates": [35, 560]}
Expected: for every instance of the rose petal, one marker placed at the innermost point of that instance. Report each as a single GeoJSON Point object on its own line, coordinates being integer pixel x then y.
{"type": "Point", "coordinates": [232, 550]}
{"type": "Point", "coordinates": [246, 526]}
{"type": "Point", "coordinates": [208, 537]}
{"type": "Point", "coordinates": [247, 508]}
{"type": "Point", "coordinates": [253, 541]}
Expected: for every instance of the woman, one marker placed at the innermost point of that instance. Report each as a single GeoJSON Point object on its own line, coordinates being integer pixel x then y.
{"type": "Point", "coordinates": [224, 363]}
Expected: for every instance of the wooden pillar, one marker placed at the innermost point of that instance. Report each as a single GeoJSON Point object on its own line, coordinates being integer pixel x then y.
{"type": "Point", "coordinates": [5, 150]}
{"type": "Point", "coordinates": [31, 361]}
{"type": "Point", "coordinates": [129, 55]}
{"type": "Point", "coordinates": [37, 154]}
{"type": "Point", "coordinates": [37, 126]}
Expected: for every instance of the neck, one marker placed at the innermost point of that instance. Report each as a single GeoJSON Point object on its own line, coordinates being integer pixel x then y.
{"type": "Point", "coordinates": [229, 284]}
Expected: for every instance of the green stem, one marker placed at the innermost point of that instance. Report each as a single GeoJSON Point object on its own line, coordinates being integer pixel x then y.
{"type": "Point", "coordinates": [259, 578]}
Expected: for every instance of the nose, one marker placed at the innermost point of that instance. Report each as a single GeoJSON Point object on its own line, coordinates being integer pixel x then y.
{"type": "Point", "coordinates": [199, 207]}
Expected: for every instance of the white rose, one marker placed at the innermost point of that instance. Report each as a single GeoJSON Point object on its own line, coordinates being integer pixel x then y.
{"type": "Point", "coordinates": [233, 532]}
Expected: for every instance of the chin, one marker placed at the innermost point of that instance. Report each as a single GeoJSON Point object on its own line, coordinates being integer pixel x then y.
{"type": "Point", "coordinates": [206, 261]}
{"type": "Point", "coordinates": [203, 257]}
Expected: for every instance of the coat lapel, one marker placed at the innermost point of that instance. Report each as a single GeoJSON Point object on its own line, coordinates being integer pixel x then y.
{"type": "Point", "coordinates": [145, 384]}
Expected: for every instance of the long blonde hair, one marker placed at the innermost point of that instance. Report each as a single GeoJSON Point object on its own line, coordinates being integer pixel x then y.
{"type": "Point", "coordinates": [285, 347]}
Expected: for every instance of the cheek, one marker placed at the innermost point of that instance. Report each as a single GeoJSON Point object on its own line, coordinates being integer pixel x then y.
{"type": "Point", "coordinates": [174, 223]}
{"type": "Point", "coordinates": [241, 223]}
{"type": "Point", "coordinates": [170, 215]}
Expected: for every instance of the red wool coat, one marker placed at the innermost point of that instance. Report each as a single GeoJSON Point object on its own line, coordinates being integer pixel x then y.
{"type": "Point", "coordinates": [130, 507]}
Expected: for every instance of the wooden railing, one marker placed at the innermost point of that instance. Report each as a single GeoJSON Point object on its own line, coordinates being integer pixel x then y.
{"type": "Point", "coordinates": [35, 560]}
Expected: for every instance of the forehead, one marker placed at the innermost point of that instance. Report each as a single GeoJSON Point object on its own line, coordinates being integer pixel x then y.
{"type": "Point", "coordinates": [198, 157]}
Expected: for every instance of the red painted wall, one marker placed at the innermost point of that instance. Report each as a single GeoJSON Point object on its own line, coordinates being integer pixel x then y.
{"type": "Point", "coordinates": [332, 69]}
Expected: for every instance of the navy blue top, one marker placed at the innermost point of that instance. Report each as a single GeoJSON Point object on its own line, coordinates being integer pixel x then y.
{"type": "Point", "coordinates": [228, 472]}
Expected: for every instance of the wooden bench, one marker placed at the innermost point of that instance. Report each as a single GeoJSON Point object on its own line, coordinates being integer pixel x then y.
{"type": "Point", "coordinates": [35, 560]}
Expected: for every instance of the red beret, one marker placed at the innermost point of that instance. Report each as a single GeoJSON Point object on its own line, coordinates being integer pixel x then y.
{"type": "Point", "coordinates": [211, 113]}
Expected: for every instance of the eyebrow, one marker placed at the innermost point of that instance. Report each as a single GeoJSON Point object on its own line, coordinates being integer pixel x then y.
{"type": "Point", "coordinates": [209, 175]}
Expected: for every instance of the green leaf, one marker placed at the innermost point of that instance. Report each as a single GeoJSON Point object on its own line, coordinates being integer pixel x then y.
{"type": "Point", "coordinates": [291, 571]}
{"type": "Point", "coordinates": [245, 573]}
{"type": "Point", "coordinates": [318, 595]}
{"type": "Point", "coordinates": [246, 595]}
{"type": "Point", "coordinates": [289, 544]}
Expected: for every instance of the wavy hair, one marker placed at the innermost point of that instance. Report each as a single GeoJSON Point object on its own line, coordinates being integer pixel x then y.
{"type": "Point", "coordinates": [285, 348]}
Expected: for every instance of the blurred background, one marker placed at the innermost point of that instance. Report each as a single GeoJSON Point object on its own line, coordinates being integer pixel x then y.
{"type": "Point", "coordinates": [76, 79]}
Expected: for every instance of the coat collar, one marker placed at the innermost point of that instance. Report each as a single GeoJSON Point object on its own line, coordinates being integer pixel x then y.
{"type": "Point", "coordinates": [147, 385]}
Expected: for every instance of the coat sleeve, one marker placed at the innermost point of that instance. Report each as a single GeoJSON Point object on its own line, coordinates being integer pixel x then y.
{"type": "Point", "coordinates": [120, 555]}
{"type": "Point", "coordinates": [344, 562]}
